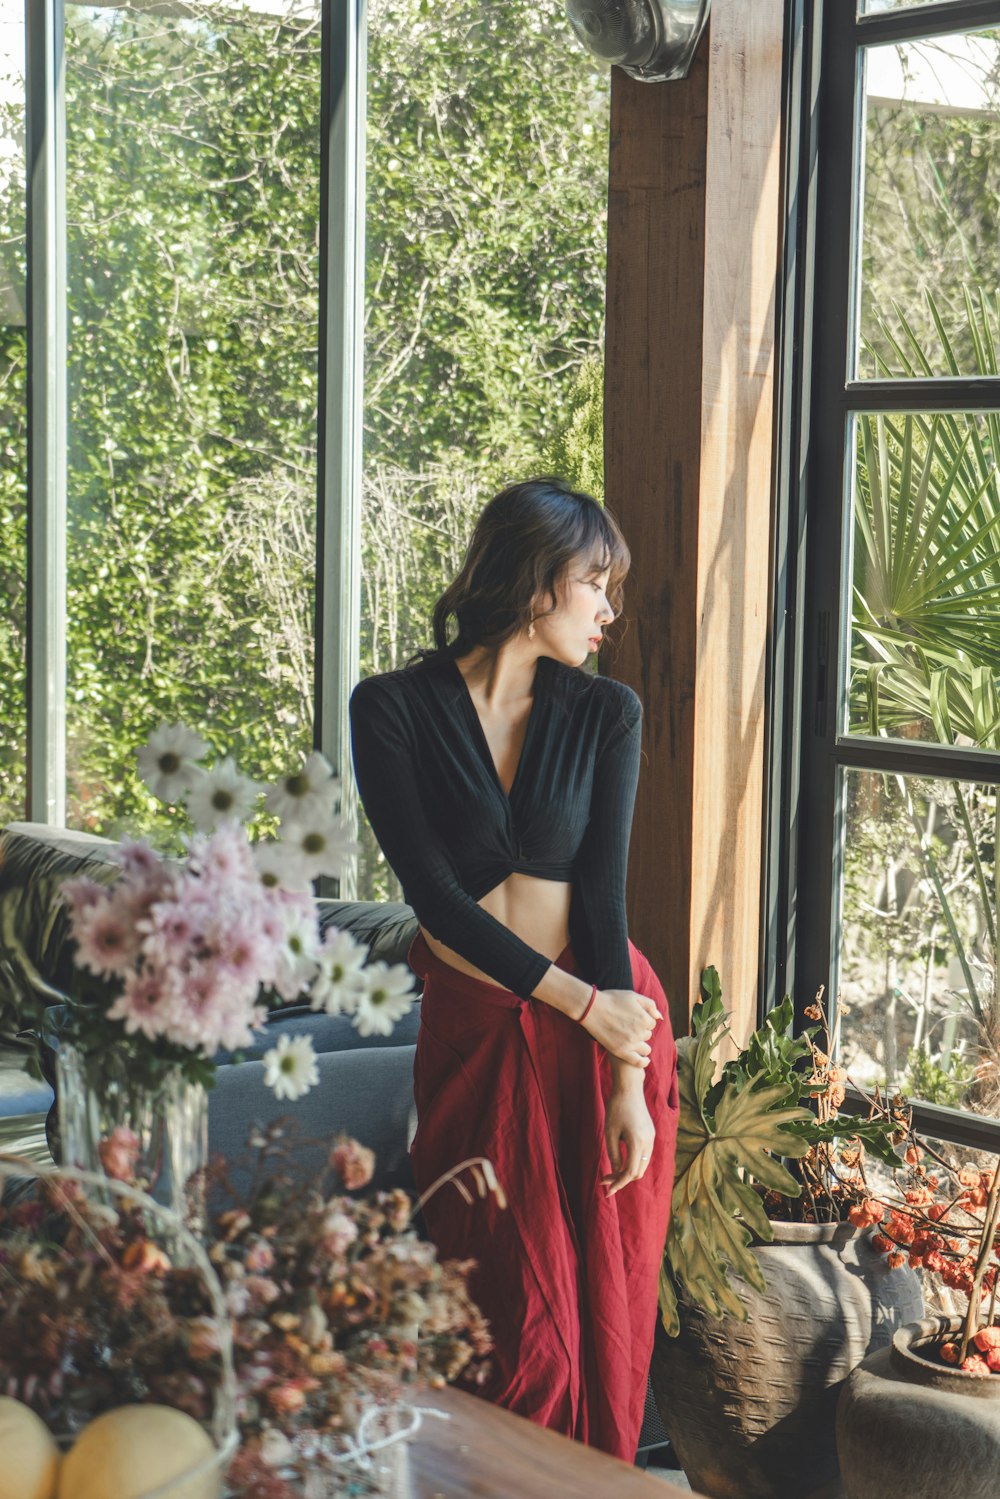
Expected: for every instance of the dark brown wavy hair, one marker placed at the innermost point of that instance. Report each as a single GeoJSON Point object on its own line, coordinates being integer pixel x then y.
{"type": "Point", "coordinates": [524, 541]}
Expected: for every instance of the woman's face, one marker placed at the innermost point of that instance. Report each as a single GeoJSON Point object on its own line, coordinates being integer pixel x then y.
{"type": "Point", "coordinates": [576, 626]}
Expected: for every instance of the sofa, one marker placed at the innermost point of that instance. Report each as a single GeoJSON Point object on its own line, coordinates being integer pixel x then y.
{"type": "Point", "coordinates": [365, 1086]}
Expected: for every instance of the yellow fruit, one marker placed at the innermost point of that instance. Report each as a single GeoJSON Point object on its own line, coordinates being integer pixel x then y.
{"type": "Point", "coordinates": [29, 1457]}
{"type": "Point", "coordinates": [129, 1452]}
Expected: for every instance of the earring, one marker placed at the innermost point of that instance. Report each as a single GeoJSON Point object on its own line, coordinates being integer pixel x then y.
{"type": "Point", "coordinates": [531, 630]}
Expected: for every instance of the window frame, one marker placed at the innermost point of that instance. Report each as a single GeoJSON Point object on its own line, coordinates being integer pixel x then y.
{"type": "Point", "coordinates": [807, 755]}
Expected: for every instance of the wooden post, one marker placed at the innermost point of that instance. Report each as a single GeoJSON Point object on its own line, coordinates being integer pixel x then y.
{"type": "Point", "coordinates": [693, 258]}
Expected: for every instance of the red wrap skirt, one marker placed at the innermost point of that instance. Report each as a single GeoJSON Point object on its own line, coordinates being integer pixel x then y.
{"type": "Point", "coordinates": [566, 1275]}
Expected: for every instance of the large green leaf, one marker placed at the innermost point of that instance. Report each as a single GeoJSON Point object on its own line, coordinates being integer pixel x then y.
{"type": "Point", "coordinates": [714, 1209]}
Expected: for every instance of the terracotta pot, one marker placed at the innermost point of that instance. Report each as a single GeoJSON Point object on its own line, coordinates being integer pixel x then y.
{"type": "Point", "coordinates": [750, 1406]}
{"type": "Point", "coordinates": [907, 1425]}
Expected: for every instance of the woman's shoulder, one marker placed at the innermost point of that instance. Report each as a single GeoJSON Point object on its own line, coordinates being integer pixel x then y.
{"type": "Point", "coordinates": [404, 684]}
{"type": "Point", "coordinates": [615, 700]}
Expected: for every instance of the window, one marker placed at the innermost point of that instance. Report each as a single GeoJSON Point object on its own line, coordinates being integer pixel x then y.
{"type": "Point", "coordinates": [192, 292]}
{"type": "Point", "coordinates": [174, 317]}
{"type": "Point", "coordinates": [893, 576]}
{"type": "Point", "coordinates": [194, 310]}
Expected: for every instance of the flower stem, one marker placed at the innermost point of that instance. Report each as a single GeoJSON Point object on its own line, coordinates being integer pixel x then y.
{"type": "Point", "coordinates": [973, 1315]}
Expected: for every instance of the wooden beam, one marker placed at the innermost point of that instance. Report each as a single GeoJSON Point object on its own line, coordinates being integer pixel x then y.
{"type": "Point", "coordinates": [652, 467]}
{"type": "Point", "coordinates": [692, 270]}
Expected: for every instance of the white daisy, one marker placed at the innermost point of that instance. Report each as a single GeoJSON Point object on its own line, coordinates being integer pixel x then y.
{"type": "Point", "coordinates": [324, 845]}
{"type": "Point", "coordinates": [307, 794]}
{"type": "Point", "coordinates": [340, 979]}
{"type": "Point", "coordinates": [296, 967]}
{"type": "Point", "coordinates": [280, 867]}
{"type": "Point", "coordinates": [167, 763]}
{"type": "Point", "coordinates": [220, 795]}
{"type": "Point", "coordinates": [386, 997]}
{"type": "Point", "coordinates": [290, 1067]}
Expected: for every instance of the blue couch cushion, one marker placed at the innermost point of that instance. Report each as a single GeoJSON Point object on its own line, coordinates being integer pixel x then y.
{"type": "Point", "coordinates": [367, 1094]}
{"type": "Point", "coordinates": [328, 1032]}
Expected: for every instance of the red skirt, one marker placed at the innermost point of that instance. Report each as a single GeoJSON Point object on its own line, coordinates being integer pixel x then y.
{"type": "Point", "coordinates": [566, 1275]}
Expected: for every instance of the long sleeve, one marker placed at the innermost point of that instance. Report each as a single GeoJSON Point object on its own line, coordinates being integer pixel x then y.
{"type": "Point", "coordinates": [385, 768]}
{"type": "Point", "coordinates": [598, 923]}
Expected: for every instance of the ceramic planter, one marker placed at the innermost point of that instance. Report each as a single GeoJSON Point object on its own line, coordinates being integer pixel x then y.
{"type": "Point", "coordinates": [906, 1425]}
{"type": "Point", "coordinates": [750, 1406]}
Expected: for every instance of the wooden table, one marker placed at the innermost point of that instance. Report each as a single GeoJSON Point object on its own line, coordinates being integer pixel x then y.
{"type": "Point", "coordinates": [482, 1452]}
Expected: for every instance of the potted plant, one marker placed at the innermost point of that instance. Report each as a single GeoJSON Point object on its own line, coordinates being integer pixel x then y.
{"type": "Point", "coordinates": [925, 1413]}
{"type": "Point", "coordinates": [746, 1374]}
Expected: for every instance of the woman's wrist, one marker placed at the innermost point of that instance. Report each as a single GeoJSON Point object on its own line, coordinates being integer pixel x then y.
{"type": "Point", "coordinates": [565, 992]}
{"type": "Point", "coordinates": [624, 1077]}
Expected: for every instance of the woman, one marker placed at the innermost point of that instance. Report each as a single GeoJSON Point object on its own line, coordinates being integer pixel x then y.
{"type": "Point", "coordinates": [499, 780]}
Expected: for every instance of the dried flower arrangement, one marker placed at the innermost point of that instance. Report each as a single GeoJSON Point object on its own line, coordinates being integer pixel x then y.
{"type": "Point", "coordinates": [932, 1214]}
{"type": "Point", "coordinates": [334, 1305]}
{"type": "Point", "coordinates": [948, 1223]}
{"type": "Point", "coordinates": [832, 1172]}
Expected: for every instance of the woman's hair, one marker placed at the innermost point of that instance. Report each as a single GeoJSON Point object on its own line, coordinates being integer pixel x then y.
{"type": "Point", "coordinates": [525, 539]}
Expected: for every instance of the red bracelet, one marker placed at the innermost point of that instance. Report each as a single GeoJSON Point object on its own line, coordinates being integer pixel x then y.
{"type": "Point", "coordinates": [590, 1001]}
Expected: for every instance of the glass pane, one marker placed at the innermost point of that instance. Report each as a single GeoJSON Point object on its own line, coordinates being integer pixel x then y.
{"type": "Point", "coordinates": [925, 603]}
{"type": "Point", "coordinates": [193, 204]}
{"type": "Point", "coordinates": [918, 956]}
{"type": "Point", "coordinates": [930, 258]}
{"type": "Point", "coordinates": [486, 230]}
{"type": "Point", "coordinates": [877, 7]}
{"type": "Point", "coordinates": [13, 415]}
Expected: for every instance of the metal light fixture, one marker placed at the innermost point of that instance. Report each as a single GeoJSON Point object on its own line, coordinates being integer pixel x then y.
{"type": "Point", "coordinates": [651, 40]}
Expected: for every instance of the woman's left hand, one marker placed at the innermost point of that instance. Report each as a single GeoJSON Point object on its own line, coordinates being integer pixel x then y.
{"type": "Point", "coordinates": [629, 1133]}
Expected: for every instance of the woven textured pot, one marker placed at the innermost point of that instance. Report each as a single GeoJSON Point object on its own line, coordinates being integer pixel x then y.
{"type": "Point", "coordinates": [751, 1406]}
{"type": "Point", "coordinates": [908, 1426]}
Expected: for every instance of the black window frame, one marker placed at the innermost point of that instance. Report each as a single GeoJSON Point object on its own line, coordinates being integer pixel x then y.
{"type": "Point", "coordinates": [815, 404]}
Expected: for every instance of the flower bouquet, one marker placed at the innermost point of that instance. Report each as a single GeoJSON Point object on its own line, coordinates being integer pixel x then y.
{"type": "Point", "coordinates": [181, 959]}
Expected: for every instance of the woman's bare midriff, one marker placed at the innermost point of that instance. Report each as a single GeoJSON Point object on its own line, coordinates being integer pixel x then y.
{"type": "Point", "coordinates": [535, 910]}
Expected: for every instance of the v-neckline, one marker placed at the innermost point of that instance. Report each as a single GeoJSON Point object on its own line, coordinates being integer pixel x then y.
{"type": "Point", "coordinates": [486, 754]}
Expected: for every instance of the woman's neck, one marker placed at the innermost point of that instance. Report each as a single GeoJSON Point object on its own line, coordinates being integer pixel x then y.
{"type": "Point", "coordinates": [506, 675]}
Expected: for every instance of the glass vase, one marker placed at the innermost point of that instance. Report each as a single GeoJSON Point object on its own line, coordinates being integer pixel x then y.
{"type": "Point", "coordinates": [98, 1094]}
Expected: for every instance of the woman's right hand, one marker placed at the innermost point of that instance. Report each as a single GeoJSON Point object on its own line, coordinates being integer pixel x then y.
{"type": "Point", "coordinates": [622, 1022]}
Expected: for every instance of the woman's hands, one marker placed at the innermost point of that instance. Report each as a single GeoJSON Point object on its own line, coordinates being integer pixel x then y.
{"type": "Point", "coordinates": [629, 1135]}
{"type": "Point", "coordinates": [622, 1022]}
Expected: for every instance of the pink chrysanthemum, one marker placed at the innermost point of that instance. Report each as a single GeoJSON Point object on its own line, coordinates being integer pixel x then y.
{"type": "Point", "coordinates": [143, 1004]}
{"type": "Point", "coordinates": [106, 939]}
{"type": "Point", "coordinates": [225, 856]}
{"type": "Point", "coordinates": [81, 893]}
{"type": "Point", "coordinates": [138, 860]}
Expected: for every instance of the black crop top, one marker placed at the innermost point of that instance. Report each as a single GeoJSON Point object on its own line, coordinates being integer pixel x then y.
{"type": "Point", "coordinates": [451, 833]}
